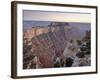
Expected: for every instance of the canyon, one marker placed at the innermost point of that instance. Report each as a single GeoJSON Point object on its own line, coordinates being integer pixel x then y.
{"type": "Point", "coordinates": [55, 45]}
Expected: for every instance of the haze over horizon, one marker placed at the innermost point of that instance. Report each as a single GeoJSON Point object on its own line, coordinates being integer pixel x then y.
{"type": "Point", "coordinates": [30, 24]}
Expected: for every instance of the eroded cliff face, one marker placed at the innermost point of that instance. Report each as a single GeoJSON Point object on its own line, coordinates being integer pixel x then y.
{"type": "Point", "coordinates": [45, 46]}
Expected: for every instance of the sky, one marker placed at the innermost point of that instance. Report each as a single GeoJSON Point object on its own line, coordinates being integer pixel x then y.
{"type": "Point", "coordinates": [43, 18]}
{"type": "Point", "coordinates": [56, 16]}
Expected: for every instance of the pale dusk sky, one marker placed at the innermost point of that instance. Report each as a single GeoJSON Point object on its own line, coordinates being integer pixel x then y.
{"type": "Point", "coordinates": [29, 15]}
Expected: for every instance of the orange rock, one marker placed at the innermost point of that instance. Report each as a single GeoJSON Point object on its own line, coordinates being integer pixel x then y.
{"type": "Point", "coordinates": [46, 60]}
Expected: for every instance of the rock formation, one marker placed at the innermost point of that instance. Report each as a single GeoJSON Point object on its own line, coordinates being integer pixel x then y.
{"type": "Point", "coordinates": [55, 45]}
